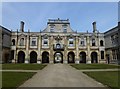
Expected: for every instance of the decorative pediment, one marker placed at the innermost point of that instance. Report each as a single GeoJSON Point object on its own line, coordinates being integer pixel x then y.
{"type": "Point", "coordinates": [22, 35]}
{"type": "Point", "coordinates": [45, 36]}
{"type": "Point", "coordinates": [58, 38]}
{"type": "Point", "coordinates": [81, 35]}
{"type": "Point", "coordinates": [34, 35]}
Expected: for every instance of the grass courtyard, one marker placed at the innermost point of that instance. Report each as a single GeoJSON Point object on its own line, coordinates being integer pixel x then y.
{"type": "Point", "coordinates": [11, 80]}
{"type": "Point", "coordinates": [23, 66]}
{"type": "Point", "coordinates": [109, 78]}
{"type": "Point", "coordinates": [94, 66]}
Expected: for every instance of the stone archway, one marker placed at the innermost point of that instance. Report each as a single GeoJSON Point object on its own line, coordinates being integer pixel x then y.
{"type": "Point", "coordinates": [58, 57]}
{"type": "Point", "coordinates": [94, 58]}
{"type": "Point", "coordinates": [21, 57]}
{"type": "Point", "coordinates": [45, 57]}
{"type": "Point", "coordinates": [71, 57]}
{"type": "Point", "coordinates": [33, 57]}
{"type": "Point", "coordinates": [82, 57]}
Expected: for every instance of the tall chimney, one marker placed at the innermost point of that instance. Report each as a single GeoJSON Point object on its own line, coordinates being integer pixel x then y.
{"type": "Point", "coordinates": [94, 27]}
{"type": "Point", "coordinates": [21, 26]}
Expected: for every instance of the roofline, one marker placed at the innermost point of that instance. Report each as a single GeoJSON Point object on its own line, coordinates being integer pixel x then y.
{"type": "Point", "coordinates": [111, 29]}
{"type": "Point", "coordinates": [5, 28]}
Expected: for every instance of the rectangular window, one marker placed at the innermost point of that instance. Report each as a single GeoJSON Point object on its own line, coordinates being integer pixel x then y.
{"type": "Point", "coordinates": [45, 42]}
{"type": "Point", "coordinates": [51, 28]}
{"type": "Point", "coordinates": [64, 30]}
{"type": "Point", "coordinates": [71, 42]}
{"type": "Point", "coordinates": [33, 42]}
{"type": "Point", "coordinates": [102, 54]}
{"type": "Point", "coordinates": [64, 27]}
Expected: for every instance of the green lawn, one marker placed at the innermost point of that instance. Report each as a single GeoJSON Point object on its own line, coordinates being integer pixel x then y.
{"type": "Point", "coordinates": [11, 80]}
{"type": "Point", "coordinates": [109, 78]}
{"type": "Point", "coordinates": [23, 66]}
{"type": "Point", "coordinates": [94, 66]}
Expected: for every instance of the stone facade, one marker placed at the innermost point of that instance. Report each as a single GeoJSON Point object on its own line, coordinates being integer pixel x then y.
{"type": "Point", "coordinates": [5, 44]}
{"type": "Point", "coordinates": [58, 43]}
{"type": "Point", "coordinates": [112, 45]}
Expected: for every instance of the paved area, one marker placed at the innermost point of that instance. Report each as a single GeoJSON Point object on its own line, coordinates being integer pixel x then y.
{"type": "Point", "coordinates": [60, 75]}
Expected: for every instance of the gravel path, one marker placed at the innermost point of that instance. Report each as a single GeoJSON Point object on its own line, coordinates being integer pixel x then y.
{"type": "Point", "coordinates": [61, 75]}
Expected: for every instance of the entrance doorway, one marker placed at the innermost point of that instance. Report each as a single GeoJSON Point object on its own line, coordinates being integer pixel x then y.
{"type": "Point", "coordinates": [58, 57]}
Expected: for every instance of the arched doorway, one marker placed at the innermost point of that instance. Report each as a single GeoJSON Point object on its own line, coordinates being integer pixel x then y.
{"type": "Point", "coordinates": [94, 58]}
{"type": "Point", "coordinates": [82, 57]}
{"type": "Point", "coordinates": [45, 57]}
{"type": "Point", "coordinates": [58, 57]}
{"type": "Point", "coordinates": [21, 57]}
{"type": "Point", "coordinates": [71, 57]}
{"type": "Point", "coordinates": [33, 57]}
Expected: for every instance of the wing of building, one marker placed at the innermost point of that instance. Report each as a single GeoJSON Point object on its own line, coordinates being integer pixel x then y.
{"type": "Point", "coordinates": [58, 43]}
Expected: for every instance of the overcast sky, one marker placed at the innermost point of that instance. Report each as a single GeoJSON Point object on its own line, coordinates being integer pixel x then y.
{"type": "Point", "coordinates": [81, 14]}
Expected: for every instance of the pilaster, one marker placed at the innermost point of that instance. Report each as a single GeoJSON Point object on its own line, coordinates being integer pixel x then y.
{"type": "Point", "coordinates": [88, 58]}
{"type": "Point", "coordinates": [77, 50]}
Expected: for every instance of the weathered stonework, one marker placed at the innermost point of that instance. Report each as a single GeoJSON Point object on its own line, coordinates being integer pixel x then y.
{"type": "Point", "coordinates": [57, 43]}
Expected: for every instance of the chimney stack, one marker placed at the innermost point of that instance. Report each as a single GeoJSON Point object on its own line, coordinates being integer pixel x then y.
{"type": "Point", "coordinates": [94, 27]}
{"type": "Point", "coordinates": [21, 26]}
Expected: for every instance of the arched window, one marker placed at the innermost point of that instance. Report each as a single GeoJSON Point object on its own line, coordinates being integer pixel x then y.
{"type": "Point", "coordinates": [82, 42]}
{"type": "Point", "coordinates": [21, 41]}
{"type": "Point", "coordinates": [13, 41]}
{"type": "Point", "coordinates": [93, 42]}
{"type": "Point", "coordinates": [101, 43]}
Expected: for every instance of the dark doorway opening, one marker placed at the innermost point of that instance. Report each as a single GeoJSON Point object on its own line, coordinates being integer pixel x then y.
{"type": "Point", "coordinates": [33, 57]}
{"type": "Point", "coordinates": [94, 58]}
{"type": "Point", "coordinates": [45, 57]}
{"type": "Point", "coordinates": [21, 57]}
{"type": "Point", "coordinates": [82, 57]}
{"type": "Point", "coordinates": [71, 57]}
